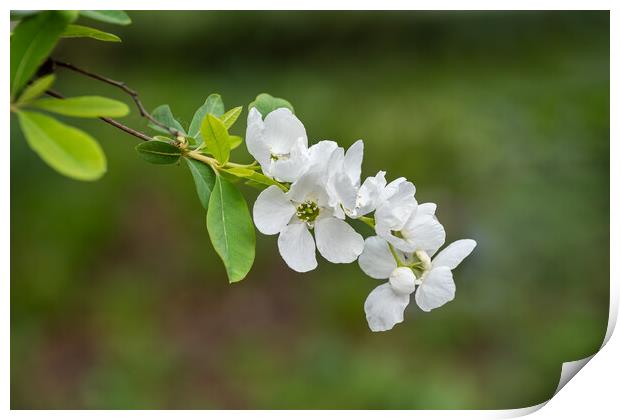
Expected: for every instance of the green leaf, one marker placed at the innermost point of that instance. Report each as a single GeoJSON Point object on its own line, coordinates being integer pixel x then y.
{"type": "Point", "coordinates": [241, 172]}
{"type": "Point", "coordinates": [20, 14]}
{"type": "Point", "coordinates": [216, 138]}
{"type": "Point", "coordinates": [204, 178]}
{"type": "Point", "coordinates": [36, 89]}
{"type": "Point", "coordinates": [83, 106]}
{"type": "Point", "coordinates": [265, 180]}
{"type": "Point", "coordinates": [159, 152]}
{"type": "Point", "coordinates": [231, 116]}
{"type": "Point", "coordinates": [265, 103]}
{"type": "Point", "coordinates": [163, 114]}
{"type": "Point", "coordinates": [193, 143]}
{"type": "Point", "coordinates": [117, 17]}
{"type": "Point", "coordinates": [163, 138]}
{"type": "Point", "coordinates": [32, 41]}
{"type": "Point", "coordinates": [68, 150]}
{"type": "Point", "coordinates": [213, 105]}
{"type": "Point", "coordinates": [235, 141]}
{"type": "Point", "coordinates": [231, 229]}
{"type": "Point", "coordinates": [79, 31]}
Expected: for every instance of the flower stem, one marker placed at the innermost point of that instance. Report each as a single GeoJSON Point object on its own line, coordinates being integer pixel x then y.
{"type": "Point", "coordinates": [395, 255]}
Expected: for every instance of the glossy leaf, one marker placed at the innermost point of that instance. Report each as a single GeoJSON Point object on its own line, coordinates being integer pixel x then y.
{"type": "Point", "coordinates": [36, 89]}
{"type": "Point", "coordinates": [231, 116]}
{"type": "Point", "coordinates": [213, 105]}
{"type": "Point", "coordinates": [117, 17]}
{"type": "Point", "coordinates": [231, 229]}
{"type": "Point", "coordinates": [204, 178]}
{"type": "Point", "coordinates": [159, 152]}
{"type": "Point", "coordinates": [163, 114]}
{"type": "Point", "coordinates": [31, 43]}
{"type": "Point", "coordinates": [215, 138]}
{"type": "Point", "coordinates": [265, 103]}
{"type": "Point", "coordinates": [83, 106]}
{"type": "Point", "coordinates": [79, 31]}
{"type": "Point", "coordinates": [68, 150]}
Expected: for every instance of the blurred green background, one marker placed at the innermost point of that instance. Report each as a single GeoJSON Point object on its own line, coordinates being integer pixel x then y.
{"type": "Point", "coordinates": [119, 301]}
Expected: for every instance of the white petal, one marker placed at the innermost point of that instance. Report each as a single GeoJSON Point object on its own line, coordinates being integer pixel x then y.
{"type": "Point", "coordinates": [402, 280]}
{"type": "Point", "coordinates": [424, 233]}
{"type": "Point", "coordinates": [290, 168]}
{"type": "Point", "coordinates": [296, 246]}
{"type": "Point", "coordinates": [282, 129]}
{"type": "Point", "coordinates": [399, 244]}
{"type": "Point", "coordinates": [337, 241]}
{"type": "Point", "coordinates": [376, 260]}
{"type": "Point", "coordinates": [384, 308]}
{"type": "Point", "coordinates": [426, 209]}
{"type": "Point", "coordinates": [437, 288]}
{"type": "Point", "coordinates": [453, 254]}
{"type": "Point", "coordinates": [310, 187]}
{"type": "Point", "coordinates": [344, 191]}
{"type": "Point", "coordinates": [392, 188]}
{"type": "Point", "coordinates": [353, 161]}
{"type": "Point", "coordinates": [369, 194]}
{"type": "Point", "coordinates": [395, 211]}
{"type": "Point", "coordinates": [254, 138]}
{"type": "Point", "coordinates": [272, 211]}
{"type": "Point", "coordinates": [320, 154]}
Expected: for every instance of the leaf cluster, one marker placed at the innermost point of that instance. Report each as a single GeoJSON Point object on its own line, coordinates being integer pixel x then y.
{"type": "Point", "coordinates": [69, 150]}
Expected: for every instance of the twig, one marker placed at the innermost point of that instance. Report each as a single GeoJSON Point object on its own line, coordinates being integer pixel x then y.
{"type": "Point", "coordinates": [121, 85]}
{"type": "Point", "coordinates": [110, 121]}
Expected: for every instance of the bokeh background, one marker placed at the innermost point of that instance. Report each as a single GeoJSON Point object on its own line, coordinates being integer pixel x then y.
{"type": "Point", "coordinates": [119, 301]}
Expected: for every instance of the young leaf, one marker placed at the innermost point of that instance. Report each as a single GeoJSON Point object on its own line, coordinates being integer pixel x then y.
{"type": "Point", "coordinates": [70, 151]}
{"type": "Point", "coordinates": [163, 114]}
{"type": "Point", "coordinates": [32, 41]}
{"type": "Point", "coordinates": [159, 152]}
{"type": "Point", "coordinates": [79, 31]}
{"type": "Point", "coordinates": [231, 116]}
{"type": "Point", "coordinates": [117, 17]}
{"type": "Point", "coordinates": [204, 178]}
{"type": "Point", "coordinates": [231, 229]}
{"type": "Point", "coordinates": [265, 103]}
{"type": "Point", "coordinates": [240, 172]}
{"type": "Point", "coordinates": [259, 178]}
{"type": "Point", "coordinates": [216, 138]}
{"type": "Point", "coordinates": [36, 89]}
{"type": "Point", "coordinates": [213, 105]}
{"type": "Point", "coordinates": [235, 141]}
{"type": "Point", "coordinates": [83, 106]}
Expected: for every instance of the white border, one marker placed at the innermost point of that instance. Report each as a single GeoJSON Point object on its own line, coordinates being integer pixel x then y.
{"type": "Point", "coordinates": [594, 393]}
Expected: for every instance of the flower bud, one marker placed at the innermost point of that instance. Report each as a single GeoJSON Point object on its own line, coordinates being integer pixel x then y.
{"type": "Point", "coordinates": [402, 280]}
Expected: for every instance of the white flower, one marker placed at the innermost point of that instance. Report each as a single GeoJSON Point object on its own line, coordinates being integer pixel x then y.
{"type": "Point", "coordinates": [405, 224]}
{"type": "Point", "coordinates": [279, 143]}
{"type": "Point", "coordinates": [386, 304]}
{"type": "Point", "coordinates": [344, 182]}
{"type": "Point", "coordinates": [396, 204]}
{"type": "Point", "coordinates": [306, 206]}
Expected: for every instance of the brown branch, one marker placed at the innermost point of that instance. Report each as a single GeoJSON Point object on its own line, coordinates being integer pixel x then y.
{"type": "Point", "coordinates": [110, 121]}
{"type": "Point", "coordinates": [121, 85]}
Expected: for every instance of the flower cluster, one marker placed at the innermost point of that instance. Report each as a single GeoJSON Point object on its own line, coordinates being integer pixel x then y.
{"type": "Point", "coordinates": [319, 187]}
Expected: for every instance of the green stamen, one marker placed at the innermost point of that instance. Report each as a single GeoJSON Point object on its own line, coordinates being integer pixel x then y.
{"type": "Point", "coordinates": [308, 211]}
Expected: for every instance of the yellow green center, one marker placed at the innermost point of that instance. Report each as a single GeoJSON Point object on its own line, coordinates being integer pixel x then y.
{"type": "Point", "coordinates": [308, 211]}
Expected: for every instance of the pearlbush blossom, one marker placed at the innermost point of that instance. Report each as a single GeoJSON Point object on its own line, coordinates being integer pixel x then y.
{"type": "Point", "coordinates": [435, 286]}
{"type": "Point", "coordinates": [319, 187]}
